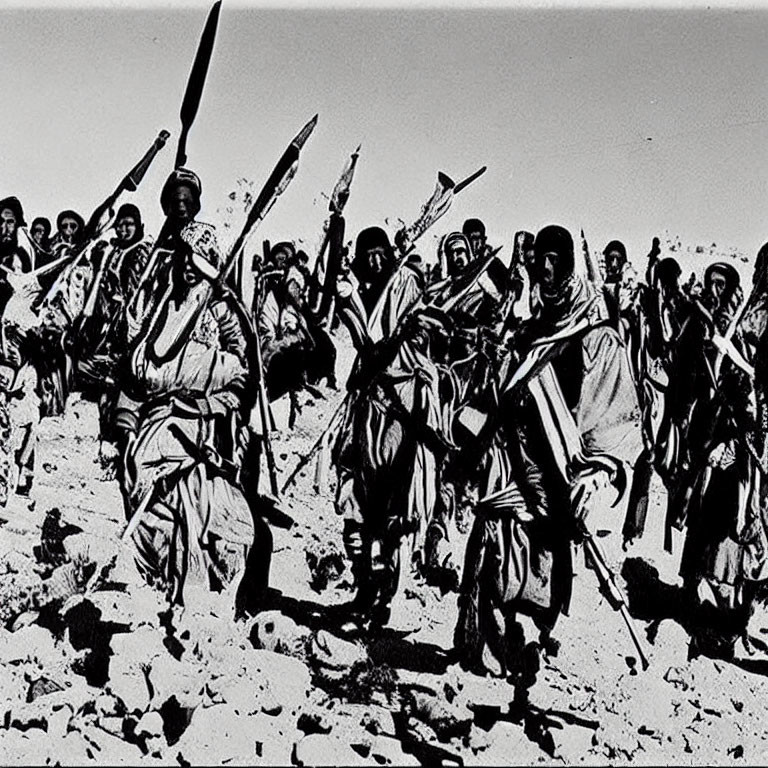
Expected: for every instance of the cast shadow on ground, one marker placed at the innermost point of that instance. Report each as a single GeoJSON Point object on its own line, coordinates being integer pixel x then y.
{"type": "Point", "coordinates": [385, 646]}
{"type": "Point", "coordinates": [712, 631]}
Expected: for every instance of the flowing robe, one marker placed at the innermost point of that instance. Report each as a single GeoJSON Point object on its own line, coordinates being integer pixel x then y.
{"type": "Point", "coordinates": [519, 554]}
{"type": "Point", "coordinates": [386, 453]}
{"type": "Point", "coordinates": [197, 528]}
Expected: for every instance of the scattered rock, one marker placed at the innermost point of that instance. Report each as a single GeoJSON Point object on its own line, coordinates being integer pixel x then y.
{"type": "Point", "coordinates": [318, 749]}
{"type": "Point", "coordinates": [271, 631]}
{"type": "Point", "coordinates": [218, 735]}
{"type": "Point", "coordinates": [387, 750]}
{"type": "Point", "coordinates": [128, 681]}
{"type": "Point", "coordinates": [333, 657]}
{"type": "Point", "coordinates": [671, 644]}
{"type": "Point", "coordinates": [289, 679]}
{"type": "Point", "coordinates": [169, 677]}
{"type": "Point", "coordinates": [447, 720]}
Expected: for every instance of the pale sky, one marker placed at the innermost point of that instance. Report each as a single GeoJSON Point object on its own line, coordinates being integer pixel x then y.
{"type": "Point", "coordinates": [626, 123]}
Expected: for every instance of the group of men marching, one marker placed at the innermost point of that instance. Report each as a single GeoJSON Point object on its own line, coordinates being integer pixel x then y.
{"type": "Point", "coordinates": [488, 405]}
{"type": "Point", "coordinates": [516, 397]}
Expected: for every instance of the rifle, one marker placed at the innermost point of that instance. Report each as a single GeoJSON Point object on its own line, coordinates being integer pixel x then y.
{"type": "Point", "coordinates": [265, 413]}
{"type": "Point", "coordinates": [593, 271]}
{"type": "Point", "coordinates": [610, 588]}
{"type": "Point", "coordinates": [565, 440]}
{"type": "Point", "coordinates": [436, 207]}
{"type": "Point", "coordinates": [102, 215]}
{"type": "Point", "coordinates": [322, 440]}
{"type": "Point", "coordinates": [326, 271]}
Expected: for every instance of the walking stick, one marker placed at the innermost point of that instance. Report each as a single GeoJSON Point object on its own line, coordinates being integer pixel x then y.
{"type": "Point", "coordinates": [321, 441]}
{"type": "Point", "coordinates": [264, 411]}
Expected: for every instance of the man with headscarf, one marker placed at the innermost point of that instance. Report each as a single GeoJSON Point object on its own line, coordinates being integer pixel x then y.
{"type": "Point", "coordinates": [662, 312]}
{"type": "Point", "coordinates": [184, 402]}
{"type": "Point", "coordinates": [98, 339]}
{"type": "Point", "coordinates": [180, 201]}
{"type": "Point", "coordinates": [472, 296]}
{"type": "Point", "coordinates": [619, 286]}
{"type": "Point", "coordinates": [40, 235]}
{"type": "Point", "coordinates": [567, 411]}
{"type": "Point", "coordinates": [712, 407]}
{"type": "Point", "coordinates": [70, 228]}
{"type": "Point", "coordinates": [18, 402]}
{"type": "Point", "coordinates": [474, 231]}
{"type": "Point", "coordinates": [692, 386]}
{"type": "Point", "coordinates": [295, 349]}
{"type": "Point", "coordinates": [392, 432]}
{"type": "Point", "coordinates": [12, 255]}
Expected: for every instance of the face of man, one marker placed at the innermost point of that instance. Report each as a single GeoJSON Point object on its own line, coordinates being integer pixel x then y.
{"type": "Point", "coordinates": [68, 229]}
{"type": "Point", "coordinates": [126, 229]}
{"type": "Point", "coordinates": [7, 225]}
{"type": "Point", "coordinates": [477, 243]}
{"type": "Point", "coordinates": [281, 259]}
{"type": "Point", "coordinates": [190, 275]}
{"type": "Point", "coordinates": [458, 256]}
{"type": "Point", "coordinates": [613, 261]}
{"type": "Point", "coordinates": [549, 269]}
{"type": "Point", "coordinates": [182, 203]}
{"type": "Point", "coordinates": [376, 260]}
{"type": "Point", "coordinates": [717, 286]}
{"type": "Point", "coordinates": [38, 233]}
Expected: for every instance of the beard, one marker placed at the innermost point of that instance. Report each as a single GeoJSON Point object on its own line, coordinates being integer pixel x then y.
{"type": "Point", "coordinates": [8, 244]}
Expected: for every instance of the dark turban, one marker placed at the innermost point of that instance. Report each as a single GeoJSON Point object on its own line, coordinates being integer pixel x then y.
{"type": "Point", "coordinates": [373, 237]}
{"type": "Point", "coordinates": [286, 247]}
{"type": "Point", "coordinates": [181, 177]}
{"type": "Point", "coordinates": [13, 205]}
{"type": "Point", "coordinates": [44, 223]}
{"type": "Point", "coordinates": [473, 225]}
{"type": "Point", "coordinates": [667, 271]}
{"type": "Point", "coordinates": [69, 214]}
{"type": "Point", "coordinates": [616, 245]}
{"type": "Point", "coordinates": [129, 210]}
{"type": "Point", "coordinates": [555, 239]}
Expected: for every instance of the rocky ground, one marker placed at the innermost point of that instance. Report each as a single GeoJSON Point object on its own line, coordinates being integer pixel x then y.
{"type": "Point", "coordinates": [95, 670]}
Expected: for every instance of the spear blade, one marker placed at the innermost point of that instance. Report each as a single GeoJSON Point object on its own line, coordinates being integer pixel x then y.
{"type": "Point", "coordinates": [340, 194]}
{"type": "Point", "coordinates": [466, 182]}
{"type": "Point", "coordinates": [276, 184]}
{"type": "Point", "coordinates": [435, 207]}
{"type": "Point", "coordinates": [196, 81]}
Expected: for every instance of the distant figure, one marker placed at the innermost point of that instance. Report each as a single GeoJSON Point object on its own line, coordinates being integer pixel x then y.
{"type": "Point", "coordinates": [69, 230]}
{"type": "Point", "coordinates": [12, 255]}
{"type": "Point", "coordinates": [474, 231]}
{"type": "Point", "coordinates": [40, 234]}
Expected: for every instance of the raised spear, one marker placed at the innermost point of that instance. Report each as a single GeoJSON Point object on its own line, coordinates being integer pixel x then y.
{"type": "Point", "coordinates": [196, 81]}
{"type": "Point", "coordinates": [276, 184]}
{"type": "Point", "coordinates": [326, 269]}
{"type": "Point", "coordinates": [189, 107]}
{"type": "Point", "coordinates": [435, 208]}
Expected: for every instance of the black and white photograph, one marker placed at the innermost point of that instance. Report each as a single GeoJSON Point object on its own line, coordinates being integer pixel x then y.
{"type": "Point", "coordinates": [383, 384]}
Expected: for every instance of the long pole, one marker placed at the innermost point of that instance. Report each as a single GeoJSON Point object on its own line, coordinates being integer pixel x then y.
{"type": "Point", "coordinates": [264, 404]}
